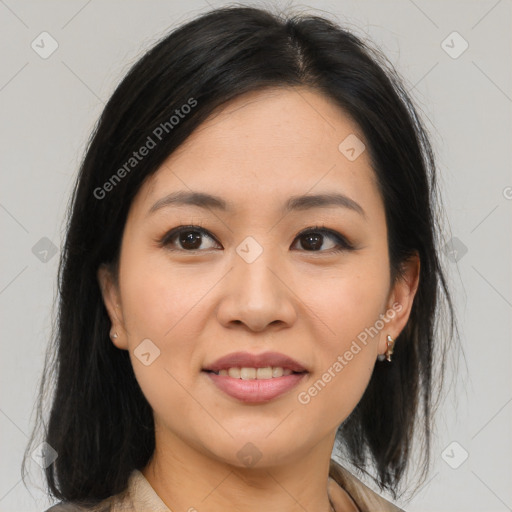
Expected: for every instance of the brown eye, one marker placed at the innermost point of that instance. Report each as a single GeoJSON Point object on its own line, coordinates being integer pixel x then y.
{"type": "Point", "coordinates": [188, 238]}
{"type": "Point", "coordinates": [313, 239]}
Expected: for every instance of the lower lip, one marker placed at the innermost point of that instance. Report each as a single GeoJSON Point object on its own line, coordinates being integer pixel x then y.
{"type": "Point", "coordinates": [255, 390]}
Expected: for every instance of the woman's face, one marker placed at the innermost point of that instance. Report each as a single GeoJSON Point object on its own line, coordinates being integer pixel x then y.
{"type": "Point", "coordinates": [245, 280]}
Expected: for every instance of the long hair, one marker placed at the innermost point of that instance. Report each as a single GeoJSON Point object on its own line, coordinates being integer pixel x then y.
{"type": "Point", "coordinates": [100, 423]}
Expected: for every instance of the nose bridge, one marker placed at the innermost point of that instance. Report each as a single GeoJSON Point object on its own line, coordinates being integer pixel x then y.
{"type": "Point", "coordinates": [257, 295]}
{"type": "Point", "coordinates": [256, 266]}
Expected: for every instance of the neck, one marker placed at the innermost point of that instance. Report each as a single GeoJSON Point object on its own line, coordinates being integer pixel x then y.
{"type": "Point", "coordinates": [185, 478]}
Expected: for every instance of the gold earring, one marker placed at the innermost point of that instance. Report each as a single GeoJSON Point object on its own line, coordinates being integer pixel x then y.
{"type": "Point", "coordinates": [389, 352]}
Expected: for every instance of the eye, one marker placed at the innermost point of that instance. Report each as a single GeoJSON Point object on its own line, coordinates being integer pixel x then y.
{"type": "Point", "coordinates": [313, 239]}
{"type": "Point", "coordinates": [189, 238]}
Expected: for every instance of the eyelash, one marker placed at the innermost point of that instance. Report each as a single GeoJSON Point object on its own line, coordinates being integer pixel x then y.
{"type": "Point", "coordinates": [342, 243]}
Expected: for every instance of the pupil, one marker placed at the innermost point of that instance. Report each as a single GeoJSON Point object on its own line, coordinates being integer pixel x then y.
{"type": "Point", "coordinates": [316, 246]}
{"type": "Point", "coordinates": [189, 239]}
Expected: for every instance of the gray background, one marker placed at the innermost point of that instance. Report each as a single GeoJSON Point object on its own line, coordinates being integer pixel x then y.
{"type": "Point", "coordinates": [49, 106]}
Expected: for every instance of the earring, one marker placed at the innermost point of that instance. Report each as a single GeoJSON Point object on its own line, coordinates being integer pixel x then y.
{"type": "Point", "coordinates": [113, 335]}
{"type": "Point", "coordinates": [390, 343]}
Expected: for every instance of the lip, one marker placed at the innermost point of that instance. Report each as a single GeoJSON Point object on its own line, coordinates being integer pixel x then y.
{"type": "Point", "coordinates": [255, 390]}
{"type": "Point", "coordinates": [248, 360]}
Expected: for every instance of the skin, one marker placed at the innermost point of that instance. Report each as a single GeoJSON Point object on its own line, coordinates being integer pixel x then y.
{"type": "Point", "coordinates": [200, 305]}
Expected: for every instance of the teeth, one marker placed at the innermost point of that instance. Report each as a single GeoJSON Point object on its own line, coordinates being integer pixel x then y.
{"type": "Point", "coordinates": [255, 373]}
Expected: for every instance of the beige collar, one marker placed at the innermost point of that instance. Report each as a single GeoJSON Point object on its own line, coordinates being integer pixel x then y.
{"type": "Point", "coordinates": [340, 498]}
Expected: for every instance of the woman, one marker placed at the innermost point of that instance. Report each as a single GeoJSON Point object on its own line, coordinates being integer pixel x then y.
{"type": "Point", "coordinates": [250, 274]}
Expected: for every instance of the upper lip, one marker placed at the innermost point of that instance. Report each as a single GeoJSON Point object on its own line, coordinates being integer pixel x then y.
{"type": "Point", "coordinates": [248, 360]}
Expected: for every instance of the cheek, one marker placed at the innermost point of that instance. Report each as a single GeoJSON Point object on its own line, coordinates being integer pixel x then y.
{"type": "Point", "coordinates": [346, 361]}
{"type": "Point", "coordinates": [161, 304]}
{"type": "Point", "coordinates": [350, 307]}
{"type": "Point", "coordinates": [353, 299]}
{"type": "Point", "coordinates": [164, 304]}
{"type": "Point", "coordinates": [156, 297]}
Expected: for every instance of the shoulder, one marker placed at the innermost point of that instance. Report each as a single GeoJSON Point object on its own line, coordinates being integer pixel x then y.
{"type": "Point", "coordinates": [138, 495]}
{"type": "Point", "coordinates": [365, 498]}
{"type": "Point", "coordinates": [116, 503]}
{"type": "Point", "coordinates": [63, 506]}
{"type": "Point", "coordinates": [67, 507]}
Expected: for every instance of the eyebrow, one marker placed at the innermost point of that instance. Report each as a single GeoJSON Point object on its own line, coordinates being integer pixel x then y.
{"type": "Point", "coordinates": [294, 203]}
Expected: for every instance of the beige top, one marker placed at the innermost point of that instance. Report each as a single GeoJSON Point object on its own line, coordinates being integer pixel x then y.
{"type": "Point", "coordinates": [141, 497]}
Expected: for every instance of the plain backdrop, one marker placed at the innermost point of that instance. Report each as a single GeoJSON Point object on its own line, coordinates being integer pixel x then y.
{"type": "Point", "coordinates": [455, 57]}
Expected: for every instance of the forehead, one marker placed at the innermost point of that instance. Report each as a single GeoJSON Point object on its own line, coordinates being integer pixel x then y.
{"type": "Point", "coordinates": [266, 146]}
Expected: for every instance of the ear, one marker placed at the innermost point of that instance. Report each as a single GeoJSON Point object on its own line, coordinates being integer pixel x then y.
{"type": "Point", "coordinates": [400, 300]}
{"type": "Point", "coordinates": [111, 299]}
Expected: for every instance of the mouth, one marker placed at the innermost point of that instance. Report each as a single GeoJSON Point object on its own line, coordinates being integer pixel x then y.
{"type": "Point", "coordinates": [253, 378]}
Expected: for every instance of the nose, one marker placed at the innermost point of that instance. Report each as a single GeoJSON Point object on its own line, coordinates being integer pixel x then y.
{"type": "Point", "coordinates": [257, 295]}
